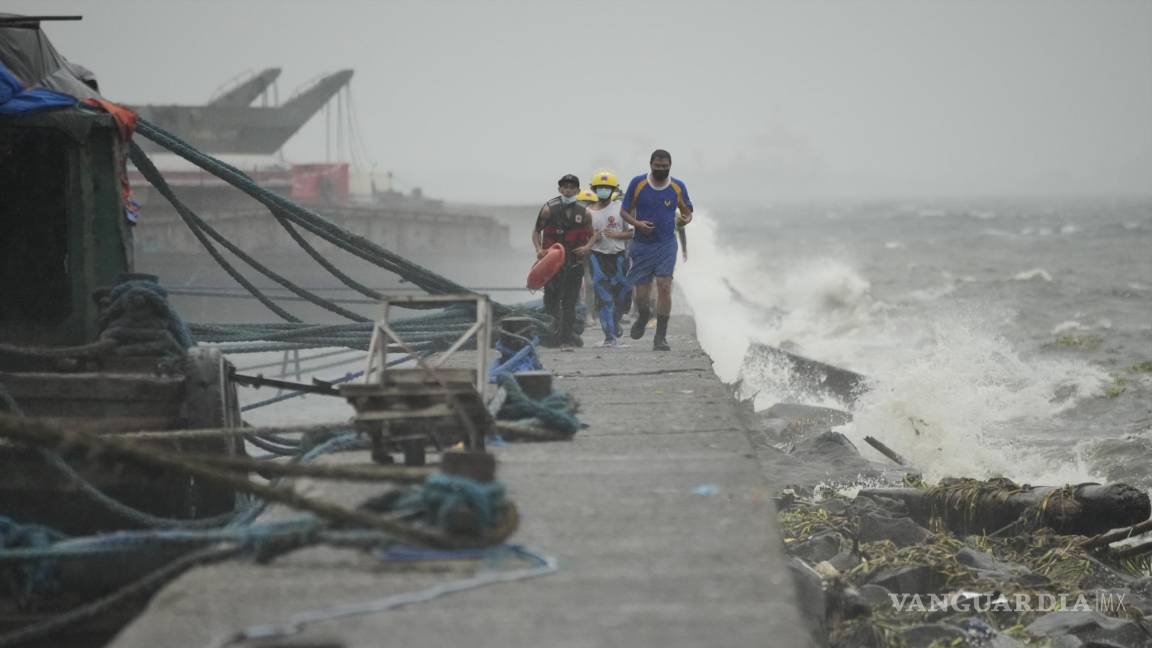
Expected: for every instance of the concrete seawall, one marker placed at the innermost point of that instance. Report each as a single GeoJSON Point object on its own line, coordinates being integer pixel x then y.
{"type": "Point", "coordinates": [659, 515]}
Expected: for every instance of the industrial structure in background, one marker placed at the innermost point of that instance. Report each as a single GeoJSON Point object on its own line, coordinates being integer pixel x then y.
{"type": "Point", "coordinates": [343, 187]}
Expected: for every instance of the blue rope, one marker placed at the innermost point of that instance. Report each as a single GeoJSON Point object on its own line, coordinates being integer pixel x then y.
{"type": "Point", "coordinates": [14, 536]}
{"type": "Point", "coordinates": [252, 536]}
{"type": "Point", "coordinates": [158, 297]}
{"type": "Point", "coordinates": [539, 566]}
{"type": "Point", "coordinates": [494, 556]}
{"type": "Point", "coordinates": [514, 362]}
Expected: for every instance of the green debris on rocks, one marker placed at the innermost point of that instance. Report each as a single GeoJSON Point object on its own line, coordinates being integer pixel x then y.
{"type": "Point", "coordinates": [1119, 386]}
{"type": "Point", "coordinates": [1141, 367]}
{"type": "Point", "coordinates": [1028, 565]}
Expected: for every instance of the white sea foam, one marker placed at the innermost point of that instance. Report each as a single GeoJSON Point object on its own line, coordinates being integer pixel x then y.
{"type": "Point", "coordinates": [934, 293]}
{"type": "Point", "coordinates": [1068, 325]}
{"type": "Point", "coordinates": [949, 391]}
{"type": "Point", "coordinates": [1034, 273]}
{"type": "Point", "coordinates": [999, 233]}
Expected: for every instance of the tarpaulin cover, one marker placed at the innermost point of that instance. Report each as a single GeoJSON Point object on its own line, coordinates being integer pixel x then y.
{"type": "Point", "coordinates": [28, 54]}
{"type": "Point", "coordinates": [15, 99]}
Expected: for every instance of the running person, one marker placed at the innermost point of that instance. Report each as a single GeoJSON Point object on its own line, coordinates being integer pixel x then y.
{"type": "Point", "coordinates": [564, 220]}
{"type": "Point", "coordinates": [609, 260]}
{"type": "Point", "coordinates": [650, 205]}
{"type": "Point", "coordinates": [588, 292]}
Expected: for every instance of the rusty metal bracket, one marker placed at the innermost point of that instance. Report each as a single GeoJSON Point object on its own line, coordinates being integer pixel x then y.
{"type": "Point", "coordinates": [317, 387]}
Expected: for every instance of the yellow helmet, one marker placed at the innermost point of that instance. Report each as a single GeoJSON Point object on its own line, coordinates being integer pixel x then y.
{"type": "Point", "coordinates": [587, 195]}
{"type": "Point", "coordinates": [605, 178]}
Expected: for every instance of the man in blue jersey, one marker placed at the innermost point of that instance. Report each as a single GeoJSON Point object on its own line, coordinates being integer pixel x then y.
{"type": "Point", "coordinates": [649, 206]}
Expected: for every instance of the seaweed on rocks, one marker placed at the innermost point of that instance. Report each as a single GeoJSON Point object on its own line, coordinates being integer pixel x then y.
{"type": "Point", "coordinates": [889, 580]}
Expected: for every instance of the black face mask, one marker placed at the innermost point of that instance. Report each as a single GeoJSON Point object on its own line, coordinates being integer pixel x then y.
{"type": "Point", "coordinates": [661, 174]}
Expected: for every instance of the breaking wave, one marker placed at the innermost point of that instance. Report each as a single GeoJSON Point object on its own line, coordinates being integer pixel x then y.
{"type": "Point", "coordinates": [1034, 273]}
{"type": "Point", "coordinates": [947, 389]}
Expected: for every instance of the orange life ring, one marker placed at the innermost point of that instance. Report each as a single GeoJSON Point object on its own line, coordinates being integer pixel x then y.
{"type": "Point", "coordinates": [546, 267]}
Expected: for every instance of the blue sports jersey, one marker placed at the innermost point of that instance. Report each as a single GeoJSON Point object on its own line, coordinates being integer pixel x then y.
{"type": "Point", "coordinates": [657, 206]}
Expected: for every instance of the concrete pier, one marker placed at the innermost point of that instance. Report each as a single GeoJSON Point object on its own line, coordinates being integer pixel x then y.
{"type": "Point", "coordinates": [659, 515]}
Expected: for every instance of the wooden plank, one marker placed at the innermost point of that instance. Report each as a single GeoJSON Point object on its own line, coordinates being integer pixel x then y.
{"type": "Point", "coordinates": [419, 376]}
{"type": "Point", "coordinates": [436, 411]}
{"type": "Point", "coordinates": [368, 391]}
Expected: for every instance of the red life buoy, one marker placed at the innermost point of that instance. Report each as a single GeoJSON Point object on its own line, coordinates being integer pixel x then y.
{"type": "Point", "coordinates": [546, 267]}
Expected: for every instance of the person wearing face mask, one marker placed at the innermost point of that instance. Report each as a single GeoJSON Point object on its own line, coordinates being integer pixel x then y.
{"type": "Point", "coordinates": [587, 291]}
{"type": "Point", "coordinates": [609, 260]}
{"type": "Point", "coordinates": [564, 220]}
{"type": "Point", "coordinates": [649, 206]}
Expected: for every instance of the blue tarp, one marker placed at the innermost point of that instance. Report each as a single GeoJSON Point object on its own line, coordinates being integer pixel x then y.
{"type": "Point", "coordinates": [16, 99]}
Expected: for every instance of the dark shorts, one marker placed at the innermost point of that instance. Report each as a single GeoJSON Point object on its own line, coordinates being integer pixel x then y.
{"type": "Point", "coordinates": [651, 260]}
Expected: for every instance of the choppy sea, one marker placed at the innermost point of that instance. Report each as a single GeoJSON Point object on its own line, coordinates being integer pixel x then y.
{"type": "Point", "coordinates": [1001, 338]}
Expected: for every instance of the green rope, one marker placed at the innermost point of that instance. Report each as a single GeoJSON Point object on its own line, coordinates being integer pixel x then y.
{"type": "Point", "coordinates": [314, 223]}
{"type": "Point", "coordinates": [452, 503]}
{"type": "Point", "coordinates": [195, 223]}
{"type": "Point", "coordinates": [323, 261]}
{"type": "Point", "coordinates": [152, 174]}
{"type": "Point", "coordinates": [555, 411]}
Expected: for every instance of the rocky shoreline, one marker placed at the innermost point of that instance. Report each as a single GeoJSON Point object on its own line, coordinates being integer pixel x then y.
{"type": "Point", "coordinates": [871, 571]}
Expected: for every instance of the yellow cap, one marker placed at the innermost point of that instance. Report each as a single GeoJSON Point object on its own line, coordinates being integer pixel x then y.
{"type": "Point", "coordinates": [587, 195]}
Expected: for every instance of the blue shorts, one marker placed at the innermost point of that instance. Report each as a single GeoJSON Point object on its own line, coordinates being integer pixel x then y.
{"type": "Point", "coordinates": [651, 260]}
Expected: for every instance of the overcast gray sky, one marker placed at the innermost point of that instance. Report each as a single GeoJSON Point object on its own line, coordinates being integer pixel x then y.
{"type": "Point", "coordinates": [757, 101]}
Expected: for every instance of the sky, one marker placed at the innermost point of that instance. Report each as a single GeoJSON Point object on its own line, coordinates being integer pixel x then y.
{"type": "Point", "coordinates": [758, 102]}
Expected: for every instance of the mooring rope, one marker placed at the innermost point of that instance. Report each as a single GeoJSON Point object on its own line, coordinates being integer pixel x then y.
{"type": "Point", "coordinates": [314, 223]}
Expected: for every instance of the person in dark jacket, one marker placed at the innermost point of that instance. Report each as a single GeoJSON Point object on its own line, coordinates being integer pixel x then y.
{"type": "Point", "coordinates": [564, 219]}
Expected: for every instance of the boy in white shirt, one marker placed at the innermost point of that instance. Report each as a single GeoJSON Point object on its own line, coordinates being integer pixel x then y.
{"type": "Point", "coordinates": [609, 260]}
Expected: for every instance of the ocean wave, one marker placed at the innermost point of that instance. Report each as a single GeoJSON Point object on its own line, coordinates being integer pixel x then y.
{"type": "Point", "coordinates": [998, 233]}
{"type": "Point", "coordinates": [932, 294]}
{"type": "Point", "coordinates": [948, 388]}
{"type": "Point", "coordinates": [1068, 325]}
{"type": "Point", "coordinates": [1034, 273]}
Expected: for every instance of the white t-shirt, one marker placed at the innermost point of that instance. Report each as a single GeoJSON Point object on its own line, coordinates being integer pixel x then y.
{"type": "Point", "coordinates": [608, 220]}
